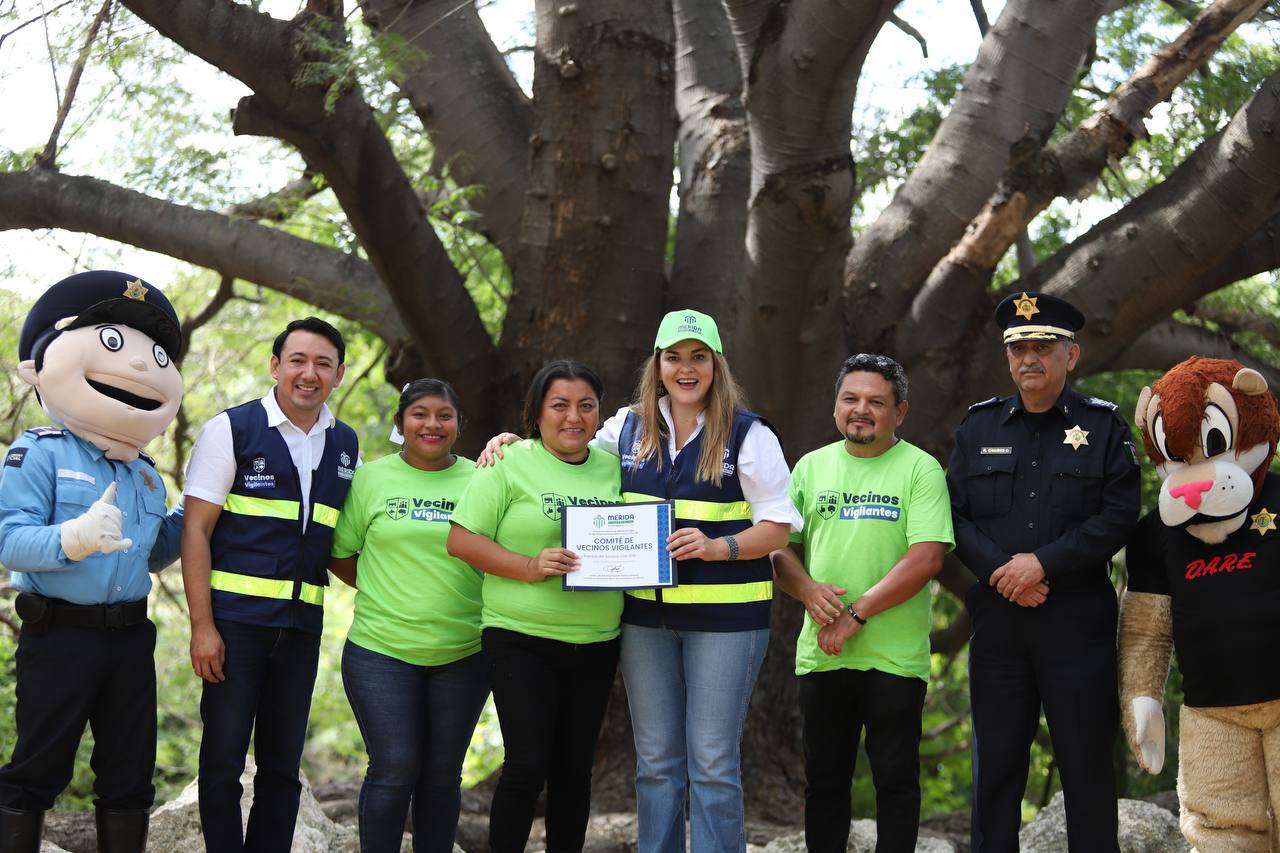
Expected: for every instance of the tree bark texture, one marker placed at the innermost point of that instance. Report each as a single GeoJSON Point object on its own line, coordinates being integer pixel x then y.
{"type": "Point", "coordinates": [1016, 87]}
{"type": "Point", "coordinates": [467, 100]}
{"type": "Point", "coordinates": [715, 163]}
{"type": "Point", "coordinates": [590, 265]}
{"type": "Point", "coordinates": [802, 63]}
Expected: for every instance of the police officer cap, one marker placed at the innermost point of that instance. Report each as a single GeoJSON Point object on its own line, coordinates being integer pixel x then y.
{"type": "Point", "coordinates": [100, 296]}
{"type": "Point", "coordinates": [1038, 317]}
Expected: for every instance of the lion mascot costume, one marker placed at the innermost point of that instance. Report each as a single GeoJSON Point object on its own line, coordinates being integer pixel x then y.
{"type": "Point", "coordinates": [83, 518]}
{"type": "Point", "coordinates": [1204, 579]}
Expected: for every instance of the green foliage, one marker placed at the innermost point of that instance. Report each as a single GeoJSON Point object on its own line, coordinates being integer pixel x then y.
{"type": "Point", "coordinates": [886, 147]}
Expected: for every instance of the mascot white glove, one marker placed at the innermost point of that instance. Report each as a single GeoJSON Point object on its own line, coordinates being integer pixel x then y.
{"type": "Point", "coordinates": [98, 529]}
{"type": "Point", "coordinates": [1148, 719]}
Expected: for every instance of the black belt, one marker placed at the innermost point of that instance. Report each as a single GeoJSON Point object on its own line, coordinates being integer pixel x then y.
{"type": "Point", "coordinates": [104, 616]}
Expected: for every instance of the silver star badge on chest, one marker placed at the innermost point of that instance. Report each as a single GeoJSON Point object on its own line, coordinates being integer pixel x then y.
{"type": "Point", "coordinates": [1076, 437]}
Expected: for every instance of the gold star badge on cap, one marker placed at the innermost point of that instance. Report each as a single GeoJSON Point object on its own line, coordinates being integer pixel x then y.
{"type": "Point", "coordinates": [135, 290]}
{"type": "Point", "coordinates": [1076, 437]}
{"type": "Point", "coordinates": [1026, 306]}
{"type": "Point", "coordinates": [1263, 522]}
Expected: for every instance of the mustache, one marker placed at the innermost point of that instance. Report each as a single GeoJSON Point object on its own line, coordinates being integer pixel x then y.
{"type": "Point", "coordinates": [1022, 370]}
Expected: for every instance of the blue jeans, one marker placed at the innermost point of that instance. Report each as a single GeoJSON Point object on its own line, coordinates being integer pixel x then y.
{"type": "Point", "coordinates": [416, 722]}
{"type": "Point", "coordinates": [688, 692]}
{"type": "Point", "coordinates": [270, 673]}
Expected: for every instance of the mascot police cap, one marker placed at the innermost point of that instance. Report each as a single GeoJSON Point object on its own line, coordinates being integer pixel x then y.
{"type": "Point", "coordinates": [99, 296]}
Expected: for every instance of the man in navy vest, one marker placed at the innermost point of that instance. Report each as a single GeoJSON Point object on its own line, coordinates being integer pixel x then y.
{"type": "Point", "coordinates": [265, 484]}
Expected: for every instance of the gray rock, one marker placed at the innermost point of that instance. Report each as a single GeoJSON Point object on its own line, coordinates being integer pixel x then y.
{"type": "Point", "coordinates": [176, 824]}
{"type": "Point", "coordinates": [71, 831]}
{"type": "Point", "coordinates": [862, 839]}
{"type": "Point", "coordinates": [47, 846]}
{"type": "Point", "coordinates": [1144, 828]}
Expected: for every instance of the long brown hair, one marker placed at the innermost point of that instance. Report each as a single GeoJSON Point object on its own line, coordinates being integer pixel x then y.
{"type": "Point", "coordinates": [724, 398]}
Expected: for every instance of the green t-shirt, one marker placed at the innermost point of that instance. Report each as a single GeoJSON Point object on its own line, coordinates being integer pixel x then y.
{"type": "Point", "coordinates": [413, 601]}
{"type": "Point", "coordinates": [516, 503]}
{"type": "Point", "coordinates": [860, 517]}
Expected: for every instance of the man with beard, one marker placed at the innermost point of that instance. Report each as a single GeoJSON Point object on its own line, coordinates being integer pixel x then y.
{"type": "Point", "coordinates": [877, 523]}
{"type": "Point", "coordinates": [1044, 490]}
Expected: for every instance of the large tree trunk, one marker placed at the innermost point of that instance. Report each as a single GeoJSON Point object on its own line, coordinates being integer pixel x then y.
{"type": "Point", "coordinates": [590, 262]}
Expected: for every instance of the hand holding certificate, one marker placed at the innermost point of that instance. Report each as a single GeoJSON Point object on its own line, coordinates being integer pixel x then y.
{"type": "Point", "coordinates": [619, 547]}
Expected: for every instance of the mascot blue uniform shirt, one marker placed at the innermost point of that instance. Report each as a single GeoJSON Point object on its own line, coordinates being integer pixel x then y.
{"type": "Point", "coordinates": [50, 476]}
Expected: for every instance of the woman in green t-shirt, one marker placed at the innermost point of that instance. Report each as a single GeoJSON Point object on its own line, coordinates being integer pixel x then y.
{"type": "Point", "coordinates": [551, 653]}
{"type": "Point", "coordinates": [411, 666]}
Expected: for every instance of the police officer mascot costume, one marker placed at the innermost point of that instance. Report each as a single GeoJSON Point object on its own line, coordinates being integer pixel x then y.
{"type": "Point", "coordinates": [1044, 490]}
{"type": "Point", "coordinates": [82, 520]}
{"type": "Point", "coordinates": [1204, 581]}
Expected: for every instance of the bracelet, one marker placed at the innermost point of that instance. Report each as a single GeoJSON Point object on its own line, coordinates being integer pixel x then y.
{"type": "Point", "coordinates": [732, 542]}
{"type": "Point", "coordinates": [854, 614]}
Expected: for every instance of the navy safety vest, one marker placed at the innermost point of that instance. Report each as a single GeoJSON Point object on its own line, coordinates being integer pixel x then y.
{"type": "Point", "coordinates": [719, 596]}
{"type": "Point", "coordinates": [266, 570]}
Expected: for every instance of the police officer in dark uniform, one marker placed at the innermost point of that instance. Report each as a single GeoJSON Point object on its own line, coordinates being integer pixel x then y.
{"type": "Point", "coordinates": [1044, 490]}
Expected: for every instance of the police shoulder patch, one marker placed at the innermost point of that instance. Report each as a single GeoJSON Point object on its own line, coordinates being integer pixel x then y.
{"type": "Point", "coordinates": [15, 457]}
{"type": "Point", "coordinates": [45, 432]}
{"type": "Point", "coordinates": [1099, 403]}
{"type": "Point", "coordinates": [984, 403]}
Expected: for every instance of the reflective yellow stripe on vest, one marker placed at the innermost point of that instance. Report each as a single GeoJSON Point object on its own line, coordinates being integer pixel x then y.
{"type": "Point", "coordinates": [264, 587]}
{"type": "Point", "coordinates": [700, 510]}
{"type": "Point", "coordinates": [262, 507]}
{"type": "Point", "coordinates": [326, 515]}
{"type": "Point", "coordinates": [710, 593]}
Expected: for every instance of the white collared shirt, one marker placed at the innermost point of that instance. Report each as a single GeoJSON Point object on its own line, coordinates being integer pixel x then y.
{"type": "Point", "coordinates": [762, 468]}
{"type": "Point", "coordinates": [212, 468]}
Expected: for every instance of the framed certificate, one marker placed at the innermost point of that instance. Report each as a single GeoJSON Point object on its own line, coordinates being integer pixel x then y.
{"type": "Point", "coordinates": [619, 546]}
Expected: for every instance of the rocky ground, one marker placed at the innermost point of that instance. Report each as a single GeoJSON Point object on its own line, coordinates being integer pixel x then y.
{"type": "Point", "coordinates": [327, 824]}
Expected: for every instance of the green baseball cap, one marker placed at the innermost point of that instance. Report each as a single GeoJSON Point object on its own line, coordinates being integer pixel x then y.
{"type": "Point", "coordinates": [685, 325]}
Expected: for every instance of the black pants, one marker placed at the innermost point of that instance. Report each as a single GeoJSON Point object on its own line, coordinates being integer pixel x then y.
{"type": "Point", "coordinates": [837, 705]}
{"type": "Point", "coordinates": [66, 678]}
{"type": "Point", "coordinates": [1062, 656]}
{"type": "Point", "coordinates": [551, 699]}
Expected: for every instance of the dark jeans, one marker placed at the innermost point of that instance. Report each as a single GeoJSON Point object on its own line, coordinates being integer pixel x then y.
{"type": "Point", "coordinates": [267, 692]}
{"type": "Point", "coordinates": [71, 676]}
{"type": "Point", "coordinates": [837, 705]}
{"type": "Point", "coordinates": [416, 722]}
{"type": "Point", "coordinates": [551, 698]}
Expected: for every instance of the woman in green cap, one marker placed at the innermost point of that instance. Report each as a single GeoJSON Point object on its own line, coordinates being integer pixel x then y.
{"type": "Point", "coordinates": [691, 653]}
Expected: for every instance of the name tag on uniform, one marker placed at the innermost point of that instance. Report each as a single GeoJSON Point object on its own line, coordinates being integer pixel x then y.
{"type": "Point", "coordinates": [996, 451]}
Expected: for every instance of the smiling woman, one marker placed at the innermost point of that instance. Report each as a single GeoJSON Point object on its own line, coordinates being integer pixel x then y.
{"type": "Point", "coordinates": [551, 653]}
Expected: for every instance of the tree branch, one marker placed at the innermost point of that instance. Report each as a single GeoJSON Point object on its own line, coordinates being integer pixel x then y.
{"type": "Point", "coordinates": [1169, 342]}
{"type": "Point", "coordinates": [914, 33]}
{"type": "Point", "coordinates": [1137, 266]}
{"type": "Point", "coordinates": [468, 101]}
{"type": "Point", "coordinates": [804, 62]}
{"type": "Point", "coordinates": [1232, 322]}
{"type": "Point", "coordinates": [48, 157]}
{"type": "Point", "coordinates": [1037, 176]}
{"type": "Point", "coordinates": [715, 161]}
{"type": "Point", "coordinates": [33, 20]}
{"type": "Point", "coordinates": [322, 276]}
{"type": "Point", "coordinates": [980, 15]}
{"type": "Point", "coordinates": [1017, 87]}
{"type": "Point", "coordinates": [302, 96]}
{"type": "Point", "coordinates": [279, 205]}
